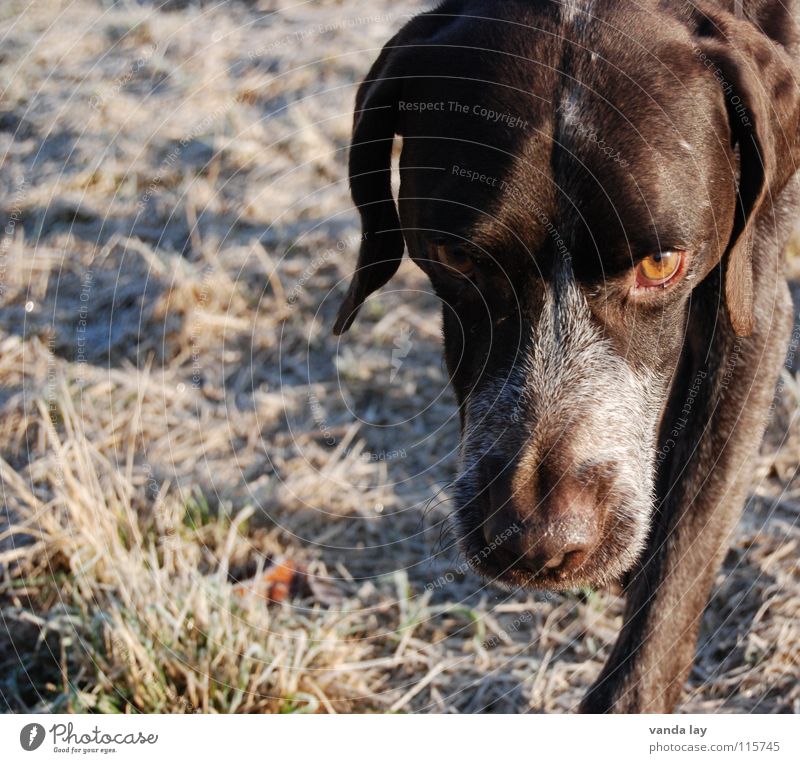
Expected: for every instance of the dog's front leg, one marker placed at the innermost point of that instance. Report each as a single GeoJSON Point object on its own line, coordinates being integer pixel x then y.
{"type": "Point", "coordinates": [710, 435]}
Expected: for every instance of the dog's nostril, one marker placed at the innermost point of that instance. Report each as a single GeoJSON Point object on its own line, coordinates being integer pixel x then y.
{"type": "Point", "coordinates": [570, 558]}
{"type": "Point", "coordinates": [555, 562]}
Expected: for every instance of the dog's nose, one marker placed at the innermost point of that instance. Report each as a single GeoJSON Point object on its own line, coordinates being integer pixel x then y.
{"type": "Point", "coordinates": [552, 533]}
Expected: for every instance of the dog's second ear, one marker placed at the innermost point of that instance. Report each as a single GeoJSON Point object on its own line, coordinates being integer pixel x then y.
{"type": "Point", "coordinates": [755, 73]}
{"type": "Point", "coordinates": [374, 127]}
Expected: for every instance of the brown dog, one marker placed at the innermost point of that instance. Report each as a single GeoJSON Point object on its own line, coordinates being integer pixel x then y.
{"type": "Point", "coordinates": [600, 193]}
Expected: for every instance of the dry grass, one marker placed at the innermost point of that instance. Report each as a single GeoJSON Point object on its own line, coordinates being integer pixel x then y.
{"type": "Point", "coordinates": [175, 416]}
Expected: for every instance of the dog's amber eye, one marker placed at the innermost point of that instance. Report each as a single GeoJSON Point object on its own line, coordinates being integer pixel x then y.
{"type": "Point", "coordinates": [455, 259]}
{"type": "Point", "coordinates": [658, 269]}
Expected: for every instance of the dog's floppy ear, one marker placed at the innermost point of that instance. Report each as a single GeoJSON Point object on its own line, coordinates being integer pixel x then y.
{"type": "Point", "coordinates": [374, 126]}
{"type": "Point", "coordinates": [375, 123]}
{"type": "Point", "coordinates": [754, 71]}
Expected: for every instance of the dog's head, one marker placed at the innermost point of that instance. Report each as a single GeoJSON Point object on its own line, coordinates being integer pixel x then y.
{"type": "Point", "coordinates": [570, 173]}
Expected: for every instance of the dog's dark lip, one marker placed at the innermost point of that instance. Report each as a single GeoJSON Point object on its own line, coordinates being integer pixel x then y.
{"type": "Point", "coordinates": [544, 580]}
